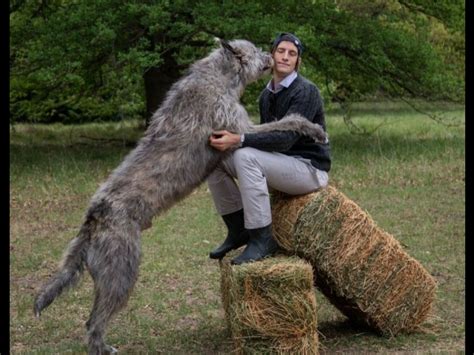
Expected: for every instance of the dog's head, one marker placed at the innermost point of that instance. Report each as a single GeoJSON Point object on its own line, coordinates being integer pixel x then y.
{"type": "Point", "coordinates": [250, 62]}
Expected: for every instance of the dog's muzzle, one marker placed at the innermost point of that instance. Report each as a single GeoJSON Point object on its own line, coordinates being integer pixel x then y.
{"type": "Point", "coordinates": [268, 63]}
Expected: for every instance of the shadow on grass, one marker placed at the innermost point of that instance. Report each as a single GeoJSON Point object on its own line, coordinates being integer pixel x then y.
{"type": "Point", "coordinates": [219, 341]}
{"type": "Point", "coordinates": [331, 330]}
{"type": "Point", "coordinates": [203, 339]}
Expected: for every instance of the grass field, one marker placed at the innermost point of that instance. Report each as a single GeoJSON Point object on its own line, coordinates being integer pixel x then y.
{"type": "Point", "coordinates": [408, 175]}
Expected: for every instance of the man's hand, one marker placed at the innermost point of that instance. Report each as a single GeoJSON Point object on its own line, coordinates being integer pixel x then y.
{"type": "Point", "coordinates": [223, 140]}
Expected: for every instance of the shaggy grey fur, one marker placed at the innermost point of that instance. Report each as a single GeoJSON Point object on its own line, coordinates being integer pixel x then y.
{"type": "Point", "coordinates": [170, 160]}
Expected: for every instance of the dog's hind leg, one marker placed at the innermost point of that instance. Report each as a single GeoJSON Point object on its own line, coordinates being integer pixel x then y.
{"type": "Point", "coordinates": [113, 264]}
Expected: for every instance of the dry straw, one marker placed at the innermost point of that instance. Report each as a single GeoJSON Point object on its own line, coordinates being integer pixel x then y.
{"type": "Point", "coordinates": [270, 306]}
{"type": "Point", "coordinates": [363, 270]}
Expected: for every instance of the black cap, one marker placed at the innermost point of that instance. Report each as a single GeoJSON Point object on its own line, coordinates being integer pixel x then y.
{"type": "Point", "coordinates": [290, 37]}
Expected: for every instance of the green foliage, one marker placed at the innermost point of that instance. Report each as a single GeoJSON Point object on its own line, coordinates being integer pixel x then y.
{"type": "Point", "coordinates": [74, 61]}
{"type": "Point", "coordinates": [363, 47]}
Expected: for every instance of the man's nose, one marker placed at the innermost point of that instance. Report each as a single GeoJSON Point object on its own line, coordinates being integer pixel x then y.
{"type": "Point", "coordinates": [285, 55]}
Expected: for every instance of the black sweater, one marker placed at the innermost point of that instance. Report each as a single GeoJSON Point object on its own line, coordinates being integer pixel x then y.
{"type": "Point", "coordinates": [302, 97]}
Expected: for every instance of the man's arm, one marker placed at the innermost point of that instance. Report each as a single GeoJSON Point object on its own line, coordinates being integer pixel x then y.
{"type": "Point", "coordinates": [308, 103]}
{"type": "Point", "coordinates": [277, 141]}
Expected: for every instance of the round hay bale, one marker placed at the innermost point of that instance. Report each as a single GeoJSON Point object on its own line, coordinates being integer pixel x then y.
{"type": "Point", "coordinates": [270, 306]}
{"type": "Point", "coordinates": [363, 270]}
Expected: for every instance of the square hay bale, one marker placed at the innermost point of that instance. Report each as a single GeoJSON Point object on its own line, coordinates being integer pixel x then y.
{"type": "Point", "coordinates": [270, 306]}
{"type": "Point", "coordinates": [362, 270]}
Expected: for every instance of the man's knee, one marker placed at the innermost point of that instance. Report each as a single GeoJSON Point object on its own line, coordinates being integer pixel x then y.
{"type": "Point", "coordinates": [245, 156]}
{"type": "Point", "coordinates": [217, 175]}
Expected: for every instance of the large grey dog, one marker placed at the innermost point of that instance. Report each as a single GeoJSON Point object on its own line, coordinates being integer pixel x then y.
{"type": "Point", "coordinates": [170, 160]}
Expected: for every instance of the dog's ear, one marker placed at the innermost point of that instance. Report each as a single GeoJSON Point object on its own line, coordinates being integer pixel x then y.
{"type": "Point", "coordinates": [225, 44]}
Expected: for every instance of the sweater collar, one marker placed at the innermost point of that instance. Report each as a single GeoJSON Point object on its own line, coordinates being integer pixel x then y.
{"type": "Point", "coordinates": [285, 83]}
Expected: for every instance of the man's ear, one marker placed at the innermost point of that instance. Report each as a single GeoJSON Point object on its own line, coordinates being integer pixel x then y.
{"type": "Point", "coordinates": [298, 63]}
{"type": "Point", "coordinates": [225, 44]}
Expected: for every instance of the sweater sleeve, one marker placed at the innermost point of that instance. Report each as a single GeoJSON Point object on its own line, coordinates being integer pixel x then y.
{"type": "Point", "coordinates": [306, 102]}
{"type": "Point", "coordinates": [276, 141]}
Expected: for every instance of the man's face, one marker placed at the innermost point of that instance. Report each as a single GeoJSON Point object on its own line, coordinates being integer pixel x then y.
{"type": "Point", "coordinates": [285, 57]}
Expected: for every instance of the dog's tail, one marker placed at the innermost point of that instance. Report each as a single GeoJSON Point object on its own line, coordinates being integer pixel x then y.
{"type": "Point", "coordinates": [69, 272]}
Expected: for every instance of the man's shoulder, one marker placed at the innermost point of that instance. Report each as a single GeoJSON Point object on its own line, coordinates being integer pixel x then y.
{"type": "Point", "coordinates": [305, 82]}
{"type": "Point", "coordinates": [304, 86]}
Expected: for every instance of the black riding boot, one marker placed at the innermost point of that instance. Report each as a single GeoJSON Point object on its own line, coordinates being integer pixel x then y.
{"type": "Point", "coordinates": [236, 237]}
{"type": "Point", "coordinates": [260, 245]}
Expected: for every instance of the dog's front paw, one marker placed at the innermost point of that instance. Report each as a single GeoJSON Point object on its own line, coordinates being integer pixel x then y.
{"type": "Point", "coordinates": [319, 135]}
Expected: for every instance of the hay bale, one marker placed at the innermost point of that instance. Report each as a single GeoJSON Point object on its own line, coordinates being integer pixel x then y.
{"type": "Point", "coordinates": [363, 270]}
{"type": "Point", "coordinates": [270, 306]}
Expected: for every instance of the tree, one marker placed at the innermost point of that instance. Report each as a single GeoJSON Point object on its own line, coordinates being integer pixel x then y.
{"type": "Point", "coordinates": [108, 59]}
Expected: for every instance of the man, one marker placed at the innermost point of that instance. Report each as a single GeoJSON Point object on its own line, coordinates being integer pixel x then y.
{"type": "Point", "coordinates": [285, 161]}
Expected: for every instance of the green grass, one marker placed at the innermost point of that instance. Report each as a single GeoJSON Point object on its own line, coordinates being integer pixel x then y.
{"type": "Point", "coordinates": [408, 175]}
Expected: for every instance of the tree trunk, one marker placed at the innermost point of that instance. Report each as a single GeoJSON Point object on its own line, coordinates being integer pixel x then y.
{"type": "Point", "coordinates": [158, 81]}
